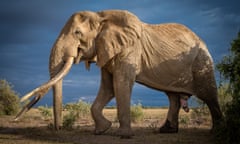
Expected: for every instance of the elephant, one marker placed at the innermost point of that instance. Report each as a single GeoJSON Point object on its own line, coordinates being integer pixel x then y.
{"type": "Point", "coordinates": [168, 57]}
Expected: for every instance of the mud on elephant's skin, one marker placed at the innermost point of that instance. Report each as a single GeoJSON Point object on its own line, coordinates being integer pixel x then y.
{"type": "Point", "coordinates": [167, 57]}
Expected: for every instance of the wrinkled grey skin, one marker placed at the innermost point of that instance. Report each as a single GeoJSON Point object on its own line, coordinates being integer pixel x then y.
{"type": "Point", "coordinates": [166, 57]}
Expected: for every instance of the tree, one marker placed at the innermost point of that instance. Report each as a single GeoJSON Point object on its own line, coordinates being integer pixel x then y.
{"type": "Point", "coordinates": [229, 68]}
{"type": "Point", "coordinates": [9, 100]}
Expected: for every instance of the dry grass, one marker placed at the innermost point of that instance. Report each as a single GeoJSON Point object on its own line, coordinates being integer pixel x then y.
{"type": "Point", "coordinates": [33, 128]}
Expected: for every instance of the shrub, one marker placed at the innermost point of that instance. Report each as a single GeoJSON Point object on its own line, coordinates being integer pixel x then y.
{"type": "Point", "coordinates": [136, 112]}
{"type": "Point", "coordinates": [81, 108]}
{"type": "Point", "coordinates": [224, 96]}
{"type": "Point", "coordinates": [69, 120]}
{"type": "Point", "coordinates": [75, 110]}
{"type": "Point", "coordinates": [9, 100]}
{"type": "Point", "coordinates": [45, 112]}
{"type": "Point", "coordinates": [229, 68]}
{"type": "Point", "coordinates": [184, 120]}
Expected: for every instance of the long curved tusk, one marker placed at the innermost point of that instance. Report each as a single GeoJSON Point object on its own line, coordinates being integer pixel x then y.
{"type": "Point", "coordinates": [45, 87]}
{"type": "Point", "coordinates": [28, 106]}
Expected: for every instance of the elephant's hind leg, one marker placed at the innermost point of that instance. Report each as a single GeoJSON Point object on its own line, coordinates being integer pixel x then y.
{"type": "Point", "coordinates": [105, 94]}
{"type": "Point", "coordinates": [208, 93]}
{"type": "Point", "coordinates": [171, 123]}
{"type": "Point", "coordinates": [205, 85]}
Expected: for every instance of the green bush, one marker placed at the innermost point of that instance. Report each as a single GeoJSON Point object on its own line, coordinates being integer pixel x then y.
{"type": "Point", "coordinates": [81, 108]}
{"type": "Point", "coordinates": [229, 68]}
{"type": "Point", "coordinates": [9, 100]}
{"type": "Point", "coordinates": [45, 112]}
{"type": "Point", "coordinates": [184, 120]}
{"type": "Point", "coordinates": [224, 96]}
{"type": "Point", "coordinates": [136, 112]}
{"type": "Point", "coordinates": [75, 110]}
{"type": "Point", "coordinates": [69, 120]}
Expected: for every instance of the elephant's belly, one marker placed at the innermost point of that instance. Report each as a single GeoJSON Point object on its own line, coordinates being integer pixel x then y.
{"type": "Point", "coordinates": [182, 83]}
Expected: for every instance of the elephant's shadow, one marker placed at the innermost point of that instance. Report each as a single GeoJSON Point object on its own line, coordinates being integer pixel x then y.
{"type": "Point", "coordinates": [85, 134]}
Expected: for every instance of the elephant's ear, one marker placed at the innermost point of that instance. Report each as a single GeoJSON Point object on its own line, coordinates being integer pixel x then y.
{"type": "Point", "coordinates": [113, 39]}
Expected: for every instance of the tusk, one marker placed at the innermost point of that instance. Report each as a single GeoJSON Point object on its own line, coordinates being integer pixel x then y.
{"type": "Point", "coordinates": [42, 90]}
{"type": "Point", "coordinates": [28, 106]}
{"type": "Point", "coordinates": [45, 87]}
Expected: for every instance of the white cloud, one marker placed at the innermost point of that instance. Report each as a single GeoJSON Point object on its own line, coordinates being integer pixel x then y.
{"type": "Point", "coordinates": [83, 81]}
{"type": "Point", "coordinates": [28, 34]}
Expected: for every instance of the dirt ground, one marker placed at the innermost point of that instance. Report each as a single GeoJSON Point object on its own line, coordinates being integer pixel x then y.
{"type": "Point", "coordinates": [33, 128]}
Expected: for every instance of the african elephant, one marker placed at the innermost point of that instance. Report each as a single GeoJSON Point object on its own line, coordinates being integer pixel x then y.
{"type": "Point", "coordinates": [167, 57]}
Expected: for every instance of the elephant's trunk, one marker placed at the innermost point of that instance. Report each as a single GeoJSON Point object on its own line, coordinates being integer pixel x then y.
{"type": "Point", "coordinates": [57, 104]}
{"type": "Point", "coordinates": [56, 62]}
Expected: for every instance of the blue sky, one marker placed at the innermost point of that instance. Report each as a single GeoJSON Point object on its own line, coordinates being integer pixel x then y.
{"type": "Point", "coordinates": [29, 28]}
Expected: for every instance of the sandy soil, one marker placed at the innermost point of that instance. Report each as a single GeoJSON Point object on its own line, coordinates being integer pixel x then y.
{"type": "Point", "coordinates": [33, 128]}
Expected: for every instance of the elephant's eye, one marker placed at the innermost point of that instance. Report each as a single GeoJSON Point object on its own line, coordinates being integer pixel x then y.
{"type": "Point", "coordinates": [78, 32]}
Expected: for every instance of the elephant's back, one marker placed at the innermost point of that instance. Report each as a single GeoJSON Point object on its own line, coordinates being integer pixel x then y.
{"type": "Point", "coordinates": [120, 17]}
{"type": "Point", "coordinates": [169, 41]}
{"type": "Point", "coordinates": [177, 33]}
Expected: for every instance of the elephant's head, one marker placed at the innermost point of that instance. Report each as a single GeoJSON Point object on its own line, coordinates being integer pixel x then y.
{"type": "Point", "coordinates": [87, 36]}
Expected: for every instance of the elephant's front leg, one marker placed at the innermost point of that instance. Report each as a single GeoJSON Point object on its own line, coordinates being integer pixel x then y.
{"type": "Point", "coordinates": [123, 82]}
{"type": "Point", "coordinates": [105, 94]}
{"type": "Point", "coordinates": [171, 124]}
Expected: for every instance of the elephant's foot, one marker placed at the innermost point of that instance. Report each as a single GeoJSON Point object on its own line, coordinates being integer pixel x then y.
{"type": "Point", "coordinates": [167, 128]}
{"type": "Point", "coordinates": [217, 124]}
{"type": "Point", "coordinates": [125, 133]}
{"type": "Point", "coordinates": [102, 127]}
